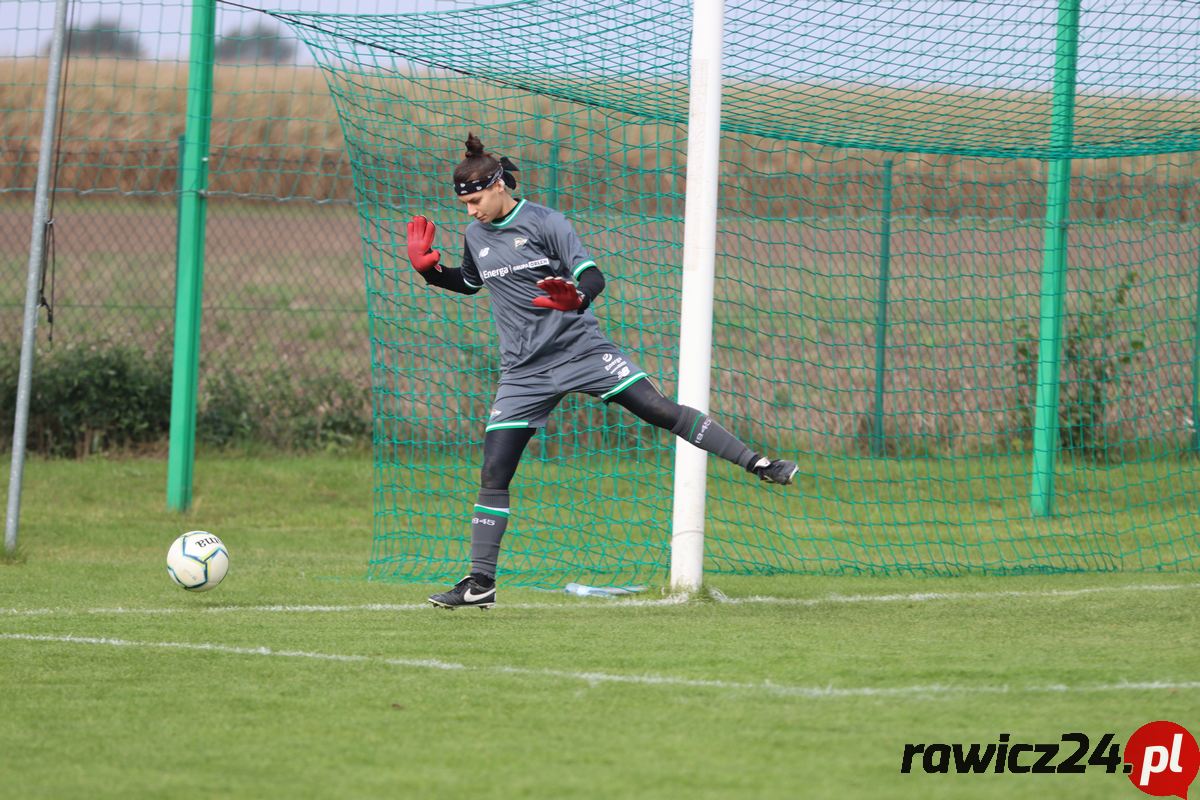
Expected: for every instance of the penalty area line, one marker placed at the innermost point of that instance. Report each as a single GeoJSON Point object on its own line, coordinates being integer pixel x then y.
{"type": "Point", "coordinates": [594, 679]}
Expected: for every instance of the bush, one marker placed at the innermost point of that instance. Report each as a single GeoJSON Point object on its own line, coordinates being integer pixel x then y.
{"type": "Point", "coordinates": [100, 397]}
{"type": "Point", "coordinates": [89, 398]}
{"type": "Point", "coordinates": [282, 410]}
{"type": "Point", "coordinates": [1093, 360]}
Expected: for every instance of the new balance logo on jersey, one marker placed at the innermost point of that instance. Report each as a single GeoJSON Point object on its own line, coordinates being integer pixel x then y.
{"type": "Point", "coordinates": [484, 251]}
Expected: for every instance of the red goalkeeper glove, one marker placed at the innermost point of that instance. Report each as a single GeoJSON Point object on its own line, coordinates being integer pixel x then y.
{"type": "Point", "coordinates": [420, 245]}
{"type": "Point", "coordinates": [561, 295]}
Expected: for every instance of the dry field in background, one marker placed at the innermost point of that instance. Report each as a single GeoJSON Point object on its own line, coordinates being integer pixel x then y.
{"type": "Point", "coordinates": [276, 134]}
{"type": "Point", "coordinates": [798, 277]}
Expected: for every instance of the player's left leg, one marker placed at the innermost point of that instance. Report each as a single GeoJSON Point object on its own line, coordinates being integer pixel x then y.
{"type": "Point", "coordinates": [647, 403]}
{"type": "Point", "coordinates": [609, 375]}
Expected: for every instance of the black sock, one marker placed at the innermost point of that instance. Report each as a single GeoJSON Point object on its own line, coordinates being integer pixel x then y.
{"type": "Point", "coordinates": [487, 529]}
{"type": "Point", "coordinates": [707, 434]}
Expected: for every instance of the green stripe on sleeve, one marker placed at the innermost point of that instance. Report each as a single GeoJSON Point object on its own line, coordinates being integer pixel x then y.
{"type": "Point", "coordinates": [580, 268]}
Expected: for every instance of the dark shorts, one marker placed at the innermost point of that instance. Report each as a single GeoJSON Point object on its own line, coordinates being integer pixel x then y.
{"type": "Point", "coordinates": [526, 402]}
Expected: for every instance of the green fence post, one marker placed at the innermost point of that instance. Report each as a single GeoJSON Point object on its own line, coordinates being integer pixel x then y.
{"type": "Point", "coordinates": [1054, 262]}
{"type": "Point", "coordinates": [881, 310]}
{"type": "Point", "coordinates": [190, 269]}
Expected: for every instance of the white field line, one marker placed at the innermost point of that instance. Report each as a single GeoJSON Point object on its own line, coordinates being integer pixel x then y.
{"type": "Point", "coordinates": [673, 600]}
{"type": "Point", "coordinates": [596, 603]}
{"type": "Point", "coordinates": [599, 678]}
{"type": "Point", "coordinates": [925, 597]}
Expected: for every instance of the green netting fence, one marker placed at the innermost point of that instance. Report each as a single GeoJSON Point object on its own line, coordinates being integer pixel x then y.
{"type": "Point", "coordinates": [882, 235]}
{"type": "Point", "coordinates": [283, 290]}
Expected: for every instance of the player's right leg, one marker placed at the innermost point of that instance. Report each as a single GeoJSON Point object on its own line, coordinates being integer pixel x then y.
{"type": "Point", "coordinates": [518, 411]}
{"type": "Point", "coordinates": [502, 449]}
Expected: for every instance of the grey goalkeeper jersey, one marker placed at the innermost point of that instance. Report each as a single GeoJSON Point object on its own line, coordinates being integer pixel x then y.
{"type": "Point", "coordinates": [509, 257]}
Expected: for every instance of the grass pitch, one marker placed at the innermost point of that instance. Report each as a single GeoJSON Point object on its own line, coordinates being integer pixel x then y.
{"type": "Point", "coordinates": [298, 678]}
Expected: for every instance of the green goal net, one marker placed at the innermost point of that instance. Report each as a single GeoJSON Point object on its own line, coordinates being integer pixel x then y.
{"type": "Point", "coordinates": [881, 238]}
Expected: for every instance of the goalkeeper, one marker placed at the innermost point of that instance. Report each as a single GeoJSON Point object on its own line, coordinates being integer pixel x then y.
{"type": "Point", "coordinates": [542, 282]}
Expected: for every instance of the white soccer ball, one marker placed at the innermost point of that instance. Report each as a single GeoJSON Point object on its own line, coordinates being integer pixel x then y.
{"type": "Point", "coordinates": [197, 561]}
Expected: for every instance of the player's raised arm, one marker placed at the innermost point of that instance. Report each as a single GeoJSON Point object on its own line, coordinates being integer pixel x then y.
{"type": "Point", "coordinates": [428, 262]}
{"type": "Point", "coordinates": [420, 245]}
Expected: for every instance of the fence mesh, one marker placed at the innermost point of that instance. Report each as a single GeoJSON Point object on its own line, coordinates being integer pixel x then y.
{"type": "Point", "coordinates": [283, 273]}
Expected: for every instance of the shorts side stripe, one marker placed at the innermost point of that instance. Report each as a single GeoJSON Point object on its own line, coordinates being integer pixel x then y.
{"type": "Point", "coordinates": [495, 426]}
{"type": "Point", "coordinates": [623, 385]}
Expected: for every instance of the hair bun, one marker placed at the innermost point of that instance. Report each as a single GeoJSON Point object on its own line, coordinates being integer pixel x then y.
{"type": "Point", "coordinates": [474, 146]}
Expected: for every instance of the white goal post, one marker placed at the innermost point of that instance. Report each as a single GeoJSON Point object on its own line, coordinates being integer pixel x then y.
{"type": "Point", "coordinates": [696, 307]}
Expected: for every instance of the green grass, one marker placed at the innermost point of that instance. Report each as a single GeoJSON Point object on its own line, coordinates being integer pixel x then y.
{"type": "Point", "coordinates": [546, 696]}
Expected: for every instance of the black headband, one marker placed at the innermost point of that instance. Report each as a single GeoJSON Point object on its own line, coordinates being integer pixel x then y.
{"type": "Point", "coordinates": [502, 173]}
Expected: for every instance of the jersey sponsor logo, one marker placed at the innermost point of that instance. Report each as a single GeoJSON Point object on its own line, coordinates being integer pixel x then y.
{"type": "Point", "coordinates": [615, 365]}
{"type": "Point", "coordinates": [484, 251]}
{"type": "Point", "coordinates": [537, 262]}
{"type": "Point", "coordinates": [500, 272]}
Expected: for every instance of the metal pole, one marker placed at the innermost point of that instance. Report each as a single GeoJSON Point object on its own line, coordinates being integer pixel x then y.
{"type": "Point", "coordinates": [696, 305]}
{"type": "Point", "coordinates": [1196, 368]}
{"type": "Point", "coordinates": [180, 148]}
{"type": "Point", "coordinates": [181, 456]}
{"type": "Point", "coordinates": [1054, 263]}
{"type": "Point", "coordinates": [37, 243]}
{"type": "Point", "coordinates": [881, 310]}
{"type": "Point", "coordinates": [552, 190]}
